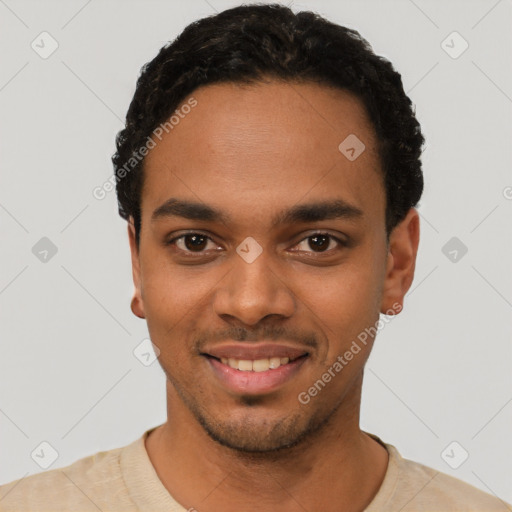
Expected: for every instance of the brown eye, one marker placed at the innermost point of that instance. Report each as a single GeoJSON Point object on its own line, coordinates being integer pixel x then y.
{"type": "Point", "coordinates": [191, 243]}
{"type": "Point", "coordinates": [319, 242]}
{"type": "Point", "coordinates": [195, 242]}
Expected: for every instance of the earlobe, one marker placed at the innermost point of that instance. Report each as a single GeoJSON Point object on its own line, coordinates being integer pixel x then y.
{"type": "Point", "coordinates": [401, 262]}
{"type": "Point", "coordinates": [137, 304]}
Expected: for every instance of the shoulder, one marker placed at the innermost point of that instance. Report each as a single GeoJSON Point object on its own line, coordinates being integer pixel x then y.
{"type": "Point", "coordinates": [415, 487]}
{"type": "Point", "coordinates": [87, 484]}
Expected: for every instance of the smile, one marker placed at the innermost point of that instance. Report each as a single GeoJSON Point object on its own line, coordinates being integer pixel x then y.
{"type": "Point", "coordinates": [259, 365]}
{"type": "Point", "coordinates": [255, 376]}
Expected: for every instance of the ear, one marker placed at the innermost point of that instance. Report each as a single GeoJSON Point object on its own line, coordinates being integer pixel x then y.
{"type": "Point", "coordinates": [137, 304]}
{"type": "Point", "coordinates": [401, 262]}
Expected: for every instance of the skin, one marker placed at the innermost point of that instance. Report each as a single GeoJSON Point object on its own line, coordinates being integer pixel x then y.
{"type": "Point", "coordinates": [252, 151]}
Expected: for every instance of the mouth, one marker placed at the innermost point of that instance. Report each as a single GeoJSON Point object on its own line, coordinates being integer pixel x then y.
{"type": "Point", "coordinates": [254, 370]}
{"type": "Point", "coordinates": [257, 365]}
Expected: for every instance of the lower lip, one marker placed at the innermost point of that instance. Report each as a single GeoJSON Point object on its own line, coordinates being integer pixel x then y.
{"type": "Point", "coordinates": [255, 382]}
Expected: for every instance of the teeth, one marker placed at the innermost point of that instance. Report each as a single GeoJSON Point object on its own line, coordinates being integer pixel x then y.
{"type": "Point", "coordinates": [274, 362]}
{"type": "Point", "coordinates": [245, 365]}
{"type": "Point", "coordinates": [260, 365]}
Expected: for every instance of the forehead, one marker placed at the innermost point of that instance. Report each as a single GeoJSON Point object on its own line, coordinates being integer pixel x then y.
{"type": "Point", "coordinates": [251, 147]}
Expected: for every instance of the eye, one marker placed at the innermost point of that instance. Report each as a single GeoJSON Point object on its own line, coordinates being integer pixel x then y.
{"type": "Point", "coordinates": [191, 242]}
{"type": "Point", "coordinates": [320, 243]}
{"type": "Point", "coordinates": [198, 243]}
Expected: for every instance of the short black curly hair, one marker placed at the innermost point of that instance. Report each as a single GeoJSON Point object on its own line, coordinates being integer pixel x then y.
{"type": "Point", "coordinates": [249, 42]}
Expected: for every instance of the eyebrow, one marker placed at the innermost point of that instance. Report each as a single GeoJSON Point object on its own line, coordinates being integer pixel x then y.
{"type": "Point", "coordinates": [309, 212]}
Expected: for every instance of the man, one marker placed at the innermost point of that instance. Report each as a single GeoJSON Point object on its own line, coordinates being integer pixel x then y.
{"type": "Point", "coordinates": [268, 171]}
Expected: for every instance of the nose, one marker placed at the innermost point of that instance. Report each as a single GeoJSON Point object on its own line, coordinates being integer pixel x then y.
{"type": "Point", "coordinates": [253, 291]}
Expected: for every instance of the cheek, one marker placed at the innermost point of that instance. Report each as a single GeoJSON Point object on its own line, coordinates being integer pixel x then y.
{"type": "Point", "coordinates": [346, 302]}
{"type": "Point", "coordinates": [175, 299]}
{"type": "Point", "coordinates": [348, 293]}
{"type": "Point", "coordinates": [170, 291]}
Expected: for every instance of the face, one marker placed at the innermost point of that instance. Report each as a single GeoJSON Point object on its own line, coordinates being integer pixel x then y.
{"type": "Point", "coordinates": [262, 258]}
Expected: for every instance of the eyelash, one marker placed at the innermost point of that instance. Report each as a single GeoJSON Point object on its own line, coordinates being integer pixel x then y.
{"type": "Point", "coordinates": [199, 253]}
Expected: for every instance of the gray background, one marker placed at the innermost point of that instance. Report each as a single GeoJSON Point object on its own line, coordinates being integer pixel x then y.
{"type": "Point", "coordinates": [440, 371]}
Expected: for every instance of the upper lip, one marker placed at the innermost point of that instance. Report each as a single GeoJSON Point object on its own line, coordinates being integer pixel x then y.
{"type": "Point", "coordinates": [253, 351]}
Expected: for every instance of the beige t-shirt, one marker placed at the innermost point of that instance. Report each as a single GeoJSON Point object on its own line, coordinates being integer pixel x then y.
{"type": "Point", "coordinates": [123, 479]}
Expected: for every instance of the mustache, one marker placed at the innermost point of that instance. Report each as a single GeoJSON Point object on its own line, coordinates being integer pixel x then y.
{"type": "Point", "coordinates": [266, 333]}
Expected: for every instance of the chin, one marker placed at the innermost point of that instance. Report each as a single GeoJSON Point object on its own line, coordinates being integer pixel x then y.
{"type": "Point", "coordinates": [260, 435]}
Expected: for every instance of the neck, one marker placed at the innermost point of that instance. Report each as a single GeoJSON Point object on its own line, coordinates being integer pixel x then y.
{"type": "Point", "coordinates": [338, 467]}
